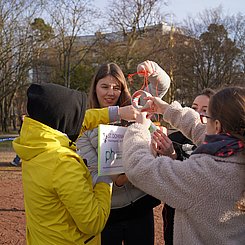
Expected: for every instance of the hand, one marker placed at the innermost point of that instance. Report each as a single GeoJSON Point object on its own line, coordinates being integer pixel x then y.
{"type": "Point", "coordinates": [155, 105]}
{"type": "Point", "coordinates": [158, 78]}
{"type": "Point", "coordinates": [163, 145]}
{"type": "Point", "coordinates": [148, 67]}
{"type": "Point", "coordinates": [121, 180]}
{"type": "Point", "coordinates": [104, 179]}
{"type": "Point", "coordinates": [141, 118]}
{"type": "Point", "coordinates": [128, 113]}
{"type": "Point", "coordinates": [97, 179]}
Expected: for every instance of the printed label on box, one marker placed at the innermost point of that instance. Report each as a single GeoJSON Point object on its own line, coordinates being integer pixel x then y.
{"type": "Point", "coordinates": [110, 139]}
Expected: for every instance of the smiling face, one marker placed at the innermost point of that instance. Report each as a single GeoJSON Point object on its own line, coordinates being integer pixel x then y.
{"type": "Point", "coordinates": [200, 104]}
{"type": "Point", "coordinates": [108, 90]}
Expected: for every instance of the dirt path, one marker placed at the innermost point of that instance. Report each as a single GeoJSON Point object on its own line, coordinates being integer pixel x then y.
{"type": "Point", "coordinates": [12, 214]}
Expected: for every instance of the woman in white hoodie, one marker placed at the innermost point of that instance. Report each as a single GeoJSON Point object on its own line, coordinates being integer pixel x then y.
{"type": "Point", "coordinates": [206, 190]}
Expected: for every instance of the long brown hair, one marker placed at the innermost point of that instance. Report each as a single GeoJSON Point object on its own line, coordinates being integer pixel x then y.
{"type": "Point", "coordinates": [115, 71]}
{"type": "Point", "coordinates": [228, 106]}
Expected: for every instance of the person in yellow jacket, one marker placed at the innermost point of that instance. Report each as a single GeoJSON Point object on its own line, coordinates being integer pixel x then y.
{"type": "Point", "coordinates": [62, 206]}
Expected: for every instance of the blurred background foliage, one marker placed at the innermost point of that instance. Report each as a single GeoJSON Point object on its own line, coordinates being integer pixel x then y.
{"type": "Point", "coordinates": [64, 41]}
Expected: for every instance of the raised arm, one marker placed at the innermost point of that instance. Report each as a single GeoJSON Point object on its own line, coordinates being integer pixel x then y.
{"type": "Point", "coordinates": [184, 119]}
{"type": "Point", "coordinates": [158, 78]}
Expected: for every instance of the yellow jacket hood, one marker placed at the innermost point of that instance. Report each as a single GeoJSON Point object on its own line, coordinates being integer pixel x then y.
{"type": "Point", "coordinates": [30, 143]}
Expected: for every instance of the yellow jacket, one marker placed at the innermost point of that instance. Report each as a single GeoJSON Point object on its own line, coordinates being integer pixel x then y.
{"type": "Point", "coordinates": [61, 205]}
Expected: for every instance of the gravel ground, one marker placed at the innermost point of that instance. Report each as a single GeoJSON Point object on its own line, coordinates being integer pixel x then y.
{"type": "Point", "coordinates": [12, 214]}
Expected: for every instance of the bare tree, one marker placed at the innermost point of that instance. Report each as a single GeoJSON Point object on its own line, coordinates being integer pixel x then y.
{"type": "Point", "coordinates": [236, 26]}
{"type": "Point", "coordinates": [42, 35]}
{"type": "Point", "coordinates": [69, 19]}
{"type": "Point", "coordinates": [214, 56]}
{"type": "Point", "coordinates": [15, 52]}
{"type": "Point", "coordinates": [210, 55]}
{"type": "Point", "coordinates": [129, 21]}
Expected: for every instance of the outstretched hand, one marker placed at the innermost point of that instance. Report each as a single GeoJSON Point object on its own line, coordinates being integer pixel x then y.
{"type": "Point", "coordinates": [128, 113]}
{"type": "Point", "coordinates": [155, 105]}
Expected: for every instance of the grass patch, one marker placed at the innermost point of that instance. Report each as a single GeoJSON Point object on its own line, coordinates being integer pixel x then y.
{"type": "Point", "coordinates": [6, 144]}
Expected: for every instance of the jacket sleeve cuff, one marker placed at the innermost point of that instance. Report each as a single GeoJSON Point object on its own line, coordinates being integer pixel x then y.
{"type": "Point", "coordinates": [114, 114]}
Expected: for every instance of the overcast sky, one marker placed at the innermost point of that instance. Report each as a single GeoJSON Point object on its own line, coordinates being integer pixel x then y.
{"type": "Point", "coordinates": [182, 8]}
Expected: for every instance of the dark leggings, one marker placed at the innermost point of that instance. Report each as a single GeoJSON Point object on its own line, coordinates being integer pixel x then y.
{"type": "Point", "coordinates": [134, 231]}
{"type": "Point", "coordinates": [168, 224]}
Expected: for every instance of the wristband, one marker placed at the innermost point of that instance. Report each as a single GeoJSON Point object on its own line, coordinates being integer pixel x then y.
{"type": "Point", "coordinates": [114, 114]}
